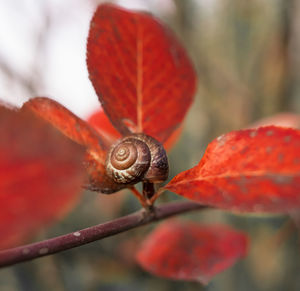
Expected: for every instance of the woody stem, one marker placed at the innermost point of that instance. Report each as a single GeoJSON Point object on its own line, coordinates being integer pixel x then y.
{"type": "Point", "coordinates": [148, 190]}
{"type": "Point", "coordinates": [81, 237]}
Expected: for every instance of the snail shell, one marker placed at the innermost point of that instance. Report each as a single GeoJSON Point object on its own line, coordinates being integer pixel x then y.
{"type": "Point", "coordinates": [137, 157]}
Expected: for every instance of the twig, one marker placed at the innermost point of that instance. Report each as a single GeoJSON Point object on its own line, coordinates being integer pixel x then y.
{"type": "Point", "coordinates": [148, 190]}
{"type": "Point", "coordinates": [61, 243]}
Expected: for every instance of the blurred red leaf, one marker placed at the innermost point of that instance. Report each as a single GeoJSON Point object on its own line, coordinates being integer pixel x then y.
{"type": "Point", "coordinates": [106, 130]}
{"type": "Point", "coordinates": [81, 132]}
{"type": "Point", "coordinates": [190, 251]}
{"type": "Point", "coordinates": [41, 174]}
{"type": "Point", "coordinates": [173, 138]}
{"type": "Point", "coordinates": [248, 170]}
{"type": "Point", "coordinates": [140, 72]}
{"type": "Point", "coordinates": [101, 123]}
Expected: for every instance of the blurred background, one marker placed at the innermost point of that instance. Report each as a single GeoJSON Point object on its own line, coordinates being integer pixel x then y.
{"type": "Point", "coordinates": [246, 53]}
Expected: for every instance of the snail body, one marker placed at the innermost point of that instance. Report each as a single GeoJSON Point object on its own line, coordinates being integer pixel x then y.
{"type": "Point", "coordinates": [137, 158]}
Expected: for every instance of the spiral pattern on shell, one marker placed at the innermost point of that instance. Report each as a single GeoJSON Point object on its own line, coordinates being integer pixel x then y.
{"type": "Point", "coordinates": [135, 158]}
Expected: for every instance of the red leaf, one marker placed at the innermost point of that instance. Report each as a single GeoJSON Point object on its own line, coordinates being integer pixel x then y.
{"type": "Point", "coordinates": [103, 126]}
{"type": "Point", "coordinates": [190, 251]}
{"type": "Point", "coordinates": [248, 170]}
{"type": "Point", "coordinates": [79, 131]}
{"type": "Point", "coordinates": [67, 122]}
{"type": "Point", "coordinates": [140, 72]}
{"type": "Point", "coordinates": [105, 129]}
{"type": "Point", "coordinates": [40, 175]}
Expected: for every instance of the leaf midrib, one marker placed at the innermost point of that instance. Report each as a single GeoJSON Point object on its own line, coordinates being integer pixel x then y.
{"type": "Point", "coordinates": [139, 71]}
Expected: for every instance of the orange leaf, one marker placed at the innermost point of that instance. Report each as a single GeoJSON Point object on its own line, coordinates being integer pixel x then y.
{"type": "Point", "coordinates": [41, 175]}
{"type": "Point", "coordinates": [140, 72]}
{"type": "Point", "coordinates": [79, 131]}
{"type": "Point", "coordinates": [67, 122]}
{"type": "Point", "coordinates": [190, 251]}
{"type": "Point", "coordinates": [248, 170]}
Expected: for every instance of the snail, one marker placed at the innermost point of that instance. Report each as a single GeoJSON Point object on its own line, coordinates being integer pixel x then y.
{"type": "Point", "coordinates": [137, 158]}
